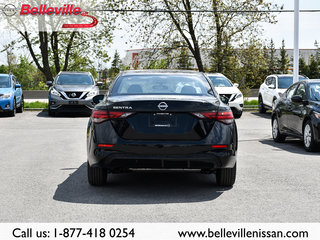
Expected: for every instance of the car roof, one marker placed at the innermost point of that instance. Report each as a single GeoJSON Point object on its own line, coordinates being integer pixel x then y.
{"type": "Point", "coordinates": [215, 74]}
{"type": "Point", "coordinates": [159, 71]}
{"type": "Point", "coordinates": [285, 75]}
{"type": "Point", "coordinates": [310, 81]}
{"type": "Point", "coordinates": [71, 72]}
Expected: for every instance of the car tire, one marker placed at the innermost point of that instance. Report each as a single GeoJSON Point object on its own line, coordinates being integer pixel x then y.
{"type": "Point", "coordinates": [97, 176]}
{"type": "Point", "coordinates": [14, 110]}
{"type": "Point", "coordinates": [309, 142]}
{"type": "Point", "coordinates": [261, 106]}
{"type": "Point", "coordinates": [21, 108]}
{"type": "Point", "coordinates": [237, 115]}
{"type": "Point", "coordinates": [276, 135]}
{"type": "Point", "coordinates": [226, 177]}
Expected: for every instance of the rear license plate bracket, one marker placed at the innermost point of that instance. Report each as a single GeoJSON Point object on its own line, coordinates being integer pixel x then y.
{"type": "Point", "coordinates": [165, 120]}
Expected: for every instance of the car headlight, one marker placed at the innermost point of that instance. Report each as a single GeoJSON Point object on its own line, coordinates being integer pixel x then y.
{"type": "Point", "coordinates": [55, 92]}
{"type": "Point", "coordinates": [92, 93]}
{"type": "Point", "coordinates": [316, 114]}
{"type": "Point", "coordinates": [239, 95]}
{"type": "Point", "coordinates": [5, 96]}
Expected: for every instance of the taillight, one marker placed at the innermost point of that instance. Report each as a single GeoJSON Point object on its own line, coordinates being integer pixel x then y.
{"type": "Point", "coordinates": [101, 116]}
{"type": "Point", "coordinates": [225, 116]}
{"type": "Point", "coordinates": [219, 146]}
{"type": "Point", "coordinates": [106, 145]}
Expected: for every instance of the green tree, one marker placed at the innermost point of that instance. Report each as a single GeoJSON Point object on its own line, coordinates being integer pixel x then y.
{"type": "Point", "coordinates": [3, 69]}
{"type": "Point", "coordinates": [283, 62]}
{"type": "Point", "coordinates": [272, 58]}
{"type": "Point", "coordinates": [252, 64]}
{"type": "Point", "coordinates": [28, 75]}
{"type": "Point", "coordinates": [183, 61]}
{"type": "Point", "coordinates": [313, 68]}
{"type": "Point", "coordinates": [303, 67]}
{"type": "Point", "coordinates": [115, 65]}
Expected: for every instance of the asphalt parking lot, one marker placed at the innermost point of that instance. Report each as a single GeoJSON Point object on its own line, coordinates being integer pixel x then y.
{"type": "Point", "coordinates": [43, 179]}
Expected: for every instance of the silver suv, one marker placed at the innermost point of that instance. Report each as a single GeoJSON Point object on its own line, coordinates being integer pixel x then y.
{"type": "Point", "coordinates": [72, 92]}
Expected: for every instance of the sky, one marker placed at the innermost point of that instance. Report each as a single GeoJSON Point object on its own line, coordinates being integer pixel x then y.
{"type": "Point", "coordinates": [283, 30]}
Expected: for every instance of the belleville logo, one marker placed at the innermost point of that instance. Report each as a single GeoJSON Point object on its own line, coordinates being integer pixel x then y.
{"type": "Point", "coordinates": [67, 9]}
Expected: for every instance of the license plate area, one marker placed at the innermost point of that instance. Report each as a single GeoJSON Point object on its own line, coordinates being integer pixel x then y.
{"type": "Point", "coordinates": [73, 102]}
{"type": "Point", "coordinates": [165, 120]}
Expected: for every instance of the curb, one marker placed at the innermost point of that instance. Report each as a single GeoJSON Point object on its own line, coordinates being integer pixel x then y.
{"type": "Point", "coordinates": [36, 109]}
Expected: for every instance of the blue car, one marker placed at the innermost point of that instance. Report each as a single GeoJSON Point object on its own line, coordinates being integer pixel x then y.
{"type": "Point", "coordinates": [11, 95]}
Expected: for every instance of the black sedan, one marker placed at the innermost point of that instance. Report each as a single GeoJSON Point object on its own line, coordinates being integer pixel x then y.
{"type": "Point", "coordinates": [161, 120]}
{"type": "Point", "coordinates": [297, 114]}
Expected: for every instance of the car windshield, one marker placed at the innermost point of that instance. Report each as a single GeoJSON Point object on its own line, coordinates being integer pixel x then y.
{"type": "Point", "coordinates": [220, 81]}
{"type": "Point", "coordinates": [285, 82]}
{"type": "Point", "coordinates": [161, 84]}
{"type": "Point", "coordinates": [5, 82]}
{"type": "Point", "coordinates": [315, 91]}
{"type": "Point", "coordinates": [74, 79]}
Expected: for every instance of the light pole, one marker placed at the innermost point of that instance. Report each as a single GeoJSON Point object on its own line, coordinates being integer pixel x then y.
{"type": "Point", "coordinates": [296, 42]}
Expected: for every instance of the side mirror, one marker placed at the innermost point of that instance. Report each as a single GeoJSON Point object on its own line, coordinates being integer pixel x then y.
{"type": "Point", "coordinates": [272, 86]}
{"type": "Point", "coordinates": [297, 99]}
{"type": "Point", "coordinates": [49, 83]}
{"type": "Point", "coordinates": [236, 85]}
{"type": "Point", "coordinates": [18, 85]}
{"type": "Point", "coordinates": [99, 84]}
{"type": "Point", "coordinates": [97, 99]}
{"type": "Point", "coordinates": [224, 99]}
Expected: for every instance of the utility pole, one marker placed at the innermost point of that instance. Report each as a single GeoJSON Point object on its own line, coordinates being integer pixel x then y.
{"type": "Point", "coordinates": [296, 42]}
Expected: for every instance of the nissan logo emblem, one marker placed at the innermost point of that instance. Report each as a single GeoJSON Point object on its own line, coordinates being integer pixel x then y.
{"type": "Point", "coordinates": [73, 94]}
{"type": "Point", "coordinates": [162, 106]}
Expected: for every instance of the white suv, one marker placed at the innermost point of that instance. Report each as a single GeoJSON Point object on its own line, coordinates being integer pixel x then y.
{"type": "Point", "coordinates": [230, 91]}
{"type": "Point", "coordinates": [272, 89]}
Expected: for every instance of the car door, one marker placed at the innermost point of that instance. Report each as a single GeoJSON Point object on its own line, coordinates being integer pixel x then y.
{"type": "Point", "coordinates": [268, 91]}
{"type": "Point", "coordinates": [298, 111]}
{"type": "Point", "coordinates": [18, 91]}
{"type": "Point", "coordinates": [287, 109]}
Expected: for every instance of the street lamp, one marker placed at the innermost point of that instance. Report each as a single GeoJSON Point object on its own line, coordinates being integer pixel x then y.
{"type": "Point", "coordinates": [296, 42]}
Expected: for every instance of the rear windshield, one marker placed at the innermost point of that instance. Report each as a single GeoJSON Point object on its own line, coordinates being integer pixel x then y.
{"type": "Point", "coordinates": [161, 84]}
{"type": "Point", "coordinates": [74, 79]}
{"type": "Point", "coordinates": [315, 91]}
{"type": "Point", "coordinates": [285, 82]}
{"type": "Point", "coordinates": [220, 81]}
{"type": "Point", "coordinates": [5, 82]}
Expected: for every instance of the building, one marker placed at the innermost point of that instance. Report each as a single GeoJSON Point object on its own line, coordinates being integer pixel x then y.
{"type": "Point", "coordinates": [141, 58]}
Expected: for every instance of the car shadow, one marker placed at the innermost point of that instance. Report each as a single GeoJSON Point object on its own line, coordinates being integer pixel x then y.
{"type": "Point", "coordinates": [292, 145]}
{"type": "Point", "coordinates": [44, 114]}
{"type": "Point", "coordinates": [140, 187]}
{"type": "Point", "coordinates": [4, 115]}
{"type": "Point", "coordinates": [266, 115]}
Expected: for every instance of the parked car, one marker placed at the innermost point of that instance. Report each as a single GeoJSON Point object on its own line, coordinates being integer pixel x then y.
{"type": "Point", "coordinates": [230, 91]}
{"type": "Point", "coordinates": [72, 92]}
{"type": "Point", "coordinates": [11, 95]}
{"type": "Point", "coordinates": [297, 114]}
{"type": "Point", "coordinates": [161, 119]}
{"type": "Point", "coordinates": [272, 89]}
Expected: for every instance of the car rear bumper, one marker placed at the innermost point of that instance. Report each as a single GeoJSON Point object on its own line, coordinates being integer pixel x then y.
{"type": "Point", "coordinates": [169, 159]}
